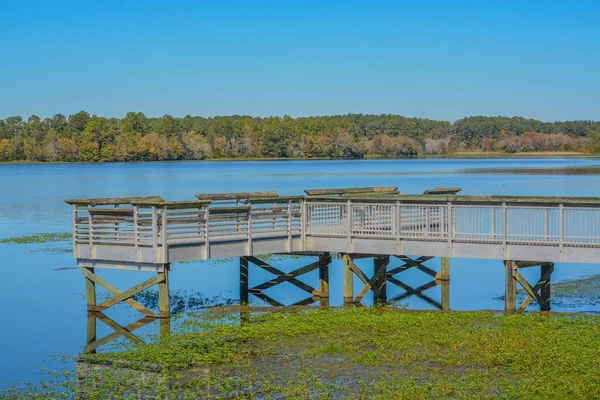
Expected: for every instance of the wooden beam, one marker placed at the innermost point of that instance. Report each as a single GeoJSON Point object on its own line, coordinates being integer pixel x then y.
{"type": "Point", "coordinates": [339, 191]}
{"type": "Point", "coordinates": [234, 196]}
{"type": "Point", "coordinates": [440, 190]}
{"type": "Point", "coordinates": [286, 277]}
{"type": "Point", "coordinates": [164, 304]}
{"type": "Point", "coordinates": [111, 200]}
{"type": "Point", "coordinates": [172, 205]}
{"type": "Point", "coordinates": [510, 290]}
{"type": "Point", "coordinates": [445, 282]}
{"type": "Point", "coordinates": [348, 280]}
{"type": "Point", "coordinates": [545, 272]}
{"type": "Point", "coordinates": [243, 280]}
{"type": "Point", "coordinates": [277, 272]}
{"type": "Point", "coordinates": [324, 261]}
{"type": "Point", "coordinates": [114, 291]}
{"type": "Point", "coordinates": [129, 293]}
{"type": "Point", "coordinates": [379, 280]}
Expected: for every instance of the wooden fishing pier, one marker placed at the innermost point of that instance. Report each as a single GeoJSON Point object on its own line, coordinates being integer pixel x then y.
{"type": "Point", "coordinates": [380, 223]}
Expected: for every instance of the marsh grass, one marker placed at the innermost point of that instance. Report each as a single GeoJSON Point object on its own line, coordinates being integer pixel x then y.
{"type": "Point", "coordinates": [38, 238]}
{"type": "Point", "coordinates": [358, 353]}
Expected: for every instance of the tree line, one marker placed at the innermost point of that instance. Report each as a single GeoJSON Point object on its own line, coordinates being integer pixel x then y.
{"type": "Point", "coordinates": [90, 138]}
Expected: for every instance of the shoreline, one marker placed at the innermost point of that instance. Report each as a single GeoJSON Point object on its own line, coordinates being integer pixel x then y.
{"type": "Point", "coordinates": [459, 155]}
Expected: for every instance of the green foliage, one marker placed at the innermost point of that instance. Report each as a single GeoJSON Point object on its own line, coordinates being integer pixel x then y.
{"type": "Point", "coordinates": [38, 238]}
{"type": "Point", "coordinates": [89, 138]}
{"type": "Point", "coordinates": [357, 353]}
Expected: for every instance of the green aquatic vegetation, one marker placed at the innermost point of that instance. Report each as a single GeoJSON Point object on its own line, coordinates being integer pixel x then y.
{"type": "Point", "coordinates": [38, 238]}
{"type": "Point", "coordinates": [362, 353]}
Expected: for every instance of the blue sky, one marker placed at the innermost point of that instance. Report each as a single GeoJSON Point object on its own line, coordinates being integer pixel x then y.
{"type": "Point", "coordinates": [433, 59]}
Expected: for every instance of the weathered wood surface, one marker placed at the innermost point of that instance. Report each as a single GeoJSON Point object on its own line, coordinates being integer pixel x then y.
{"type": "Point", "coordinates": [345, 191]}
{"type": "Point", "coordinates": [172, 205]}
{"type": "Point", "coordinates": [112, 200]}
{"type": "Point", "coordinates": [441, 190]}
{"type": "Point", "coordinates": [234, 196]}
{"type": "Point", "coordinates": [93, 278]}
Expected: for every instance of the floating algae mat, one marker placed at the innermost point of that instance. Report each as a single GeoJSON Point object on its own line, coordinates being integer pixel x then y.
{"type": "Point", "coordinates": [577, 293]}
{"type": "Point", "coordinates": [357, 353]}
{"type": "Point", "coordinates": [38, 238]}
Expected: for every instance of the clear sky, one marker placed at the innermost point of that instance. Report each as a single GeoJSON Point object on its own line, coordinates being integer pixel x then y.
{"type": "Point", "coordinates": [433, 59]}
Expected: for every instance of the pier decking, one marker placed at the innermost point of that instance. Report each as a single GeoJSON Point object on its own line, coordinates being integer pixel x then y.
{"type": "Point", "coordinates": [148, 233]}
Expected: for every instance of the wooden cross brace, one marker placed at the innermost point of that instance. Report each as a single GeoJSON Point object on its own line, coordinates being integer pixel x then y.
{"type": "Point", "coordinates": [291, 277]}
{"type": "Point", "coordinates": [417, 263]}
{"type": "Point", "coordinates": [539, 292]}
{"type": "Point", "coordinates": [376, 283]}
{"type": "Point", "coordinates": [126, 296]}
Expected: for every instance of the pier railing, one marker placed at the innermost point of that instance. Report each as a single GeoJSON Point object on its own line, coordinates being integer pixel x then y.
{"type": "Point", "coordinates": [530, 221]}
{"type": "Point", "coordinates": [152, 224]}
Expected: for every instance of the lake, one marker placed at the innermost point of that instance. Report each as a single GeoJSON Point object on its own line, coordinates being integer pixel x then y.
{"type": "Point", "coordinates": [42, 294]}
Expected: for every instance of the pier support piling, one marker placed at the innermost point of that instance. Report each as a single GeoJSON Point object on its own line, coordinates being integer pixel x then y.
{"type": "Point", "coordinates": [161, 280]}
{"type": "Point", "coordinates": [442, 279]}
{"type": "Point", "coordinates": [540, 292]}
{"type": "Point", "coordinates": [376, 284]}
{"type": "Point", "coordinates": [321, 294]}
{"type": "Point", "coordinates": [164, 304]}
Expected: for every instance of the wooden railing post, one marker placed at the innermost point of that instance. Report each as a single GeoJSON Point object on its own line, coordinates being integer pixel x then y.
{"type": "Point", "coordinates": [155, 233]}
{"type": "Point", "coordinates": [249, 233]}
{"type": "Point", "coordinates": [561, 229]}
{"type": "Point", "coordinates": [289, 225]}
{"type": "Point", "coordinates": [206, 233]}
{"type": "Point", "coordinates": [165, 233]}
{"type": "Point", "coordinates": [136, 233]}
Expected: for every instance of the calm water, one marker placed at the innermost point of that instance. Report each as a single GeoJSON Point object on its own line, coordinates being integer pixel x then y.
{"type": "Point", "coordinates": [43, 308]}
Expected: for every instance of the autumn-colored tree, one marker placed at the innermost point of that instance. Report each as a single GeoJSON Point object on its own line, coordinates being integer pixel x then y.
{"type": "Point", "coordinates": [89, 152]}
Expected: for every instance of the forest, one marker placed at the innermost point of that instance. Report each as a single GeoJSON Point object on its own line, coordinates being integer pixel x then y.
{"type": "Point", "coordinates": [82, 137]}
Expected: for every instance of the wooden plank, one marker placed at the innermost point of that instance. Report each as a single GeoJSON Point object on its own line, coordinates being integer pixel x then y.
{"type": "Point", "coordinates": [172, 205]}
{"type": "Point", "coordinates": [234, 196]}
{"type": "Point", "coordinates": [441, 190]}
{"type": "Point", "coordinates": [113, 212]}
{"type": "Point", "coordinates": [278, 199]}
{"type": "Point", "coordinates": [339, 191]}
{"type": "Point", "coordinates": [230, 210]}
{"type": "Point", "coordinates": [114, 291]}
{"type": "Point", "coordinates": [129, 292]}
{"type": "Point", "coordinates": [112, 200]}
